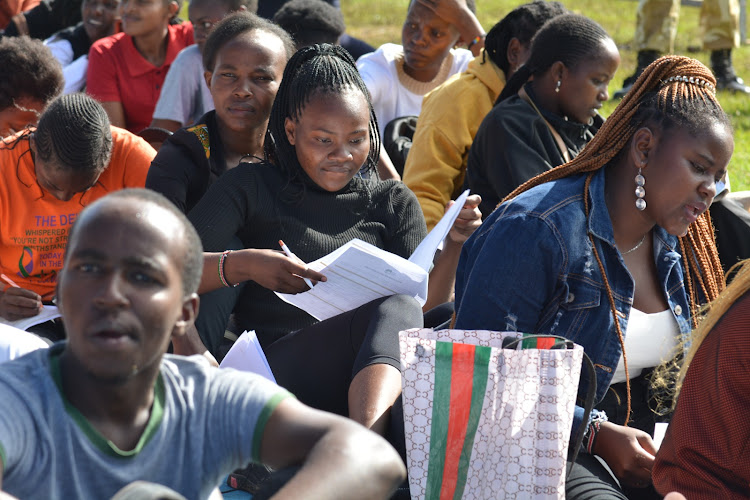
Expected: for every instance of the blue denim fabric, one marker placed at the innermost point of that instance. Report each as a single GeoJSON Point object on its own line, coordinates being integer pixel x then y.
{"type": "Point", "coordinates": [530, 268]}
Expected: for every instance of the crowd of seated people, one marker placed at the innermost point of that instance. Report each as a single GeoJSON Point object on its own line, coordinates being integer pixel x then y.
{"type": "Point", "coordinates": [150, 167]}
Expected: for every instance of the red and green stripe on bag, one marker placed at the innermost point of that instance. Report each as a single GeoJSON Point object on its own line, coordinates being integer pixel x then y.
{"type": "Point", "coordinates": [461, 372]}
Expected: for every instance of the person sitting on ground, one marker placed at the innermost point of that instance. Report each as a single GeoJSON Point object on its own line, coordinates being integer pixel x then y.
{"type": "Point", "coordinates": [398, 76]}
{"type": "Point", "coordinates": [244, 58]}
{"type": "Point", "coordinates": [321, 134]}
{"type": "Point", "coordinates": [32, 78]}
{"type": "Point", "coordinates": [451, 114]}
{"type": "Point", "coordinates": [107, 407]}
{"type": "Point", "coordinates": [703, 455]}
{"type": "Point", "coordinates": [547, 112]}
{"type": "Point", "coordinates": [310, 22]}
{"type": "Point", "coordinates": [48, 175]}
{"type": "Point", "coordinates": [615, 251]}
{"type": "Point", "coordinates": [71, 45]}
{"type": "Point", "coordinates": [127, 70]}
{"type": "Point", "coordinates": [185, 97]}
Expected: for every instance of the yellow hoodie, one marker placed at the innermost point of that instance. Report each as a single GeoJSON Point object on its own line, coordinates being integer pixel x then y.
{"type": "Point", "coordinates": [448, 122]}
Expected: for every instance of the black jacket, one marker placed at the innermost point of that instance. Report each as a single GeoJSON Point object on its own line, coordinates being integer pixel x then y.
{"type": "Point", "coordinates": [514, 144]}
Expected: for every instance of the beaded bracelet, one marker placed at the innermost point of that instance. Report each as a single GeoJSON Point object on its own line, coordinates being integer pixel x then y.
{"type": "Point", "coordinates": [476, 40]}
{"type": "Point", "coordinates": [222, 277]}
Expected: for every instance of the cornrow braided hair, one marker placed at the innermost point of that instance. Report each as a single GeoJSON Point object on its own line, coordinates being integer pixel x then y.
{"type": "Point", "coordinates": [313, 70]}
{"type": "Point", "coordinates": [568, 38]}
{"type": "Point", "coordinates": [521, 23]}
{"type": "Point", "coordinates": [74, 132]}
{"type": "Point", "coordinates": [674, 91]}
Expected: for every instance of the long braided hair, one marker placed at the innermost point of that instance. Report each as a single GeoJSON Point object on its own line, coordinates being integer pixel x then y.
{"type": "Point", "coordinates": [314, 70]}
{"type": "Point", "coordinates": [673, 92]}
{"type": "Point", "coordinates": [568, 38]}
{"type": "Point", "coordinates": [521, 23]}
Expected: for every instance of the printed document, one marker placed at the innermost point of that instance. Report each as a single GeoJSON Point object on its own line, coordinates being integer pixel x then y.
{"type": "Point", "coordinates": [359, 272]}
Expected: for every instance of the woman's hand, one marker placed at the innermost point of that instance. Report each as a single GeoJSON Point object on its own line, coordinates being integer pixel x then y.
{"type": "Point", "coordinates": [274, 270]}
{"type": "Point", "coordinates": [458, 14]}
{"type": "Point", "coordinates": [469, 219]}
{"type": "Point", "coordinates": [19, 303]}
{"type": "Point", "coordinates": [628, 452]}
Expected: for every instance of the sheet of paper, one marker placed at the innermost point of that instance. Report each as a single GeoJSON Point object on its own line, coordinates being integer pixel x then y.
{"type": "Point", "coordinates": [358, 273]}
{"type": "Point", "coordinates": [247, 355]}
{"type": "Point", "coordinates": [425, 253]}
{"type": "Point", "coordinates": [659, 432]}
{"type": "Point", "coordinates": [48, 313]}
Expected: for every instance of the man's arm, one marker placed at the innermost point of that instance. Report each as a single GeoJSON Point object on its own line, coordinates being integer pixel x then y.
{"type": "Point", "coordinates": [340, 458]}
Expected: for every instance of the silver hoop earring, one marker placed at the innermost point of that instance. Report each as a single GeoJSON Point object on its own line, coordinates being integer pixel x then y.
{"type": "Point", "coordinates": [557, 87]}
{"type": "Point", "coordinates": [640, 191]}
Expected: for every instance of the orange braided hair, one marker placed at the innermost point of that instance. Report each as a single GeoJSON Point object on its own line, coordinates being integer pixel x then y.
{"type": "Point", "coordinates": [696, 83]}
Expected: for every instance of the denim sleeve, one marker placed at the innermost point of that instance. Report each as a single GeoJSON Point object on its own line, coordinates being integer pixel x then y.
{"type": "Point", "coordinates": [578, 420]}
{"type": "Point", "coordinates": [508, 274]}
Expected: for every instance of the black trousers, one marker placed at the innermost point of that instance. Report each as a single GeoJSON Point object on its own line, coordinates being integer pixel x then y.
{"type": "Point", "coordinates": [318, 363]}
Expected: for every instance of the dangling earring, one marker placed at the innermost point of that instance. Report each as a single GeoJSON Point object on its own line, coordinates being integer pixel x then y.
{"type": "Point", "coordinates": [557, 87]}
{"type": "Point", "coordinates": [640, 191]}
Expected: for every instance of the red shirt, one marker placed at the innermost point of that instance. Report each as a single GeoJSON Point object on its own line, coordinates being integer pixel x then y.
{"type": "Point", "coordinates": [119, 73]}
{"type": "Point", "coordinates": [706, 452]}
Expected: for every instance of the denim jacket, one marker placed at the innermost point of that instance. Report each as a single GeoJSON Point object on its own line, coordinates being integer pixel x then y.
{"type": "Point", "coordinates": [530, 268]}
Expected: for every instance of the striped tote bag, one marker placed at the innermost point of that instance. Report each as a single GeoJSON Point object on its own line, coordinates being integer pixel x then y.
{"type": "Point", "coordinates": [483, 421]}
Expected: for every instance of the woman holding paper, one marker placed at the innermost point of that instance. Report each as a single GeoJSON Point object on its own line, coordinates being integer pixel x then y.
{"type": "Point", "coordinates": [615, 251]}
{"type": "Point", "coordinates": [316, 193]}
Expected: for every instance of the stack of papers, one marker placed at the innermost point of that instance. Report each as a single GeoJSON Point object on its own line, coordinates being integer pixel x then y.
{"type": "Point", "coordinates": [358, 273]}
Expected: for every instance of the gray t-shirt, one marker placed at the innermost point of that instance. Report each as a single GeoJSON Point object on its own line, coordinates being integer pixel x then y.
{"type": "Point", "coordinates": [184, 96]}
{"type": "Point", "coordinates": [204, 423]}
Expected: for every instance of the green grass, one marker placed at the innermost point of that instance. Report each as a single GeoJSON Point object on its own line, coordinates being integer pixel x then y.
{"type": "Point", "coordinates": [379, 21]}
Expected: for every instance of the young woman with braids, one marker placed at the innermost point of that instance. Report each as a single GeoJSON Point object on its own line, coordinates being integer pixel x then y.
{"type": "Point", "coordinates": [615, 251]}
{"type": "Point", "coordinates": [704, 453]}
{"type": "Point", "coordinates": [547, 112]}
{"type": "Point", "coordinates": [322, 132]}
{"type": "Point", "coordinates": [49, 173]}
{"type": "Point", "coordinates": [452, 113]}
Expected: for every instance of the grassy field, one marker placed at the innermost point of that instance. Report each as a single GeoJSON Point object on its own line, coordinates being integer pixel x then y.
{"type": "Point", "coordinates": [379, 21]}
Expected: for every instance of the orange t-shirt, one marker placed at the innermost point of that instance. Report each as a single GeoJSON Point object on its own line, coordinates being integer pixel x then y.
{"type": "Point", "coordinates": [34, 224]}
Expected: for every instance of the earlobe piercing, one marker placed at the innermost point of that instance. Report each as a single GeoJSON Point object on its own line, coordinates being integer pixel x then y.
{"type": "Point", "coordinates": [557, 87]}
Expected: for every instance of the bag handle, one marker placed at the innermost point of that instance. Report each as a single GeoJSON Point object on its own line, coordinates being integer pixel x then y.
{"type": "Point", "coordinates": [555, 134]}
{"type": "Point", "coordinates": [590, 393]}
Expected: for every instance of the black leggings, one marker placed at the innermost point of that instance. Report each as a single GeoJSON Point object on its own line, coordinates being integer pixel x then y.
{"type": "Point", "coordinates": [318, 363]}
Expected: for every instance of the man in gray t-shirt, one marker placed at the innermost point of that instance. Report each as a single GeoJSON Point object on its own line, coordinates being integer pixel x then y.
{"type": "Point", "coordinates": [106, 408]}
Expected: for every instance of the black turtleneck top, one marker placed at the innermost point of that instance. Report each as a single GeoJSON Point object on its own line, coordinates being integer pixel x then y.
{"type": "Point", "coordinates": [251, 200]}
